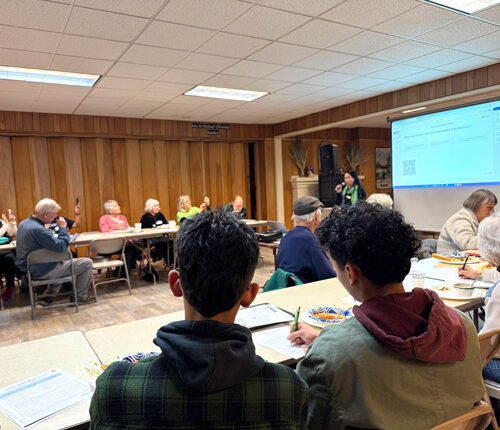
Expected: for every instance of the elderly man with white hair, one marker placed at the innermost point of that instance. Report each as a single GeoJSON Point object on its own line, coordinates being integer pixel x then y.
{"type": "Point", "coordinates": [32, 235]}
{"type": "Point", "coordinates": [299, 251]}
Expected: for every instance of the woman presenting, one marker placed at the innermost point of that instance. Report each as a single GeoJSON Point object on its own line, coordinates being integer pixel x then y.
{"type": "Point", "coordinates": [351, 189]}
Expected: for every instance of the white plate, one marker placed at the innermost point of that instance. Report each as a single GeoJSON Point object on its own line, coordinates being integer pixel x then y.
{"type": "Point", "coordinates": [118, 231]}
{"type": "Point", "coordinates": [457, 263]}
{"type": "Point", "coordinates": [307, 319]}
{"type": "Point", "coordinates": [452, 295]}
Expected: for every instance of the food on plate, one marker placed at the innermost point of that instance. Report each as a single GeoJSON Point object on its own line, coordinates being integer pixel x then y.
{"type": "Point", "coordinates": [443, 288]}
{"type": "Point", "coordinates": [456, 257]}
{"type": "Point", "coordinates": [329, 316]}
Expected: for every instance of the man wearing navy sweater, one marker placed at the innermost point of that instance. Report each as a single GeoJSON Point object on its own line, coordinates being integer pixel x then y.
{"type": "Point", "coordinates": [299, 251]}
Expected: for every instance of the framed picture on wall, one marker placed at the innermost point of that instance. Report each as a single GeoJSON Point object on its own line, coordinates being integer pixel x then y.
{"type": "Point", "coordinates": [383, 168]}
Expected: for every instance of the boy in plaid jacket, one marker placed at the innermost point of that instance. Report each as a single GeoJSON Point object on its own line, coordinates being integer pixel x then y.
{"type": "Point", "coordinates": [208, 375]}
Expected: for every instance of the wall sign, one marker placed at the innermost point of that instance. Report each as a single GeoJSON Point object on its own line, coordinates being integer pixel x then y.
{"type": "Point", "coordinates": [212, 126]}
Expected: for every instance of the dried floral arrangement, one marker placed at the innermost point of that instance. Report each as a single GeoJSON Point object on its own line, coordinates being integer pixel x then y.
{"type": "Point", "coordinates": [299, 155]}
{"type": "Point", "coordinates": [354, 156]}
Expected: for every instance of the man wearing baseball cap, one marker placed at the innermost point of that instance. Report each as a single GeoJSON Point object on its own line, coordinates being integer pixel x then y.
{"type": "Point", "coordinates": [299, 251]}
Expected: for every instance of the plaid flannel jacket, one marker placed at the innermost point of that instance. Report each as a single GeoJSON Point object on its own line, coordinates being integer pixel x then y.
{"type": "Point", "coordinates": [150, 395]}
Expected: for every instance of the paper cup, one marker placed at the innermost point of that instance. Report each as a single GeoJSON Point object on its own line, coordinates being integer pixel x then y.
{"type": "Point", "coordinates": [172, 223]}
{"type": "Point", "coordinates": [138, 226]}
{"type": "Point", "coordinates": [417, 278]}
{"type": "Point", "coordinates": [463, 289]}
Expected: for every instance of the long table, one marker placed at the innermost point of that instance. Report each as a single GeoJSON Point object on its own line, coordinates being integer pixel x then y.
{"type": "Point", "coordinates": [68, 351]}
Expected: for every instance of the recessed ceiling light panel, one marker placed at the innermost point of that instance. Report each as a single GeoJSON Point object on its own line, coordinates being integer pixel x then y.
{"type": "Point", "coordinates": [47, 76]}
{"type": "Point", "coordinates": [224, 93]}
{"type": "Point", "coordinates": [466, 6]}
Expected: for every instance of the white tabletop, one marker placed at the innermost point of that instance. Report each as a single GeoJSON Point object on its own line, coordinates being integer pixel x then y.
{"type": "Point", "coordinates": [68, 351]}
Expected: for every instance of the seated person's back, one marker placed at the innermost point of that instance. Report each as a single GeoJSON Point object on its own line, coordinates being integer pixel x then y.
{"type": "Point", "coordinates": [208, 375]}
{"type": "Point", "coordinates": [299, 251]}
{"type": "Point", "coordinates": [406, 360]}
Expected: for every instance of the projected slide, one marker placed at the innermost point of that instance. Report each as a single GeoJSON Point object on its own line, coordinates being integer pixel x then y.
{"type": "Point", "coordinates": [452, 148]}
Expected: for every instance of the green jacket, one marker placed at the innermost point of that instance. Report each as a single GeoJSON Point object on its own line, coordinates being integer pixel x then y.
{"type": "Point", "coordinates": [281, 279]}
{"type": "Point", "coordinates": [356, 381]}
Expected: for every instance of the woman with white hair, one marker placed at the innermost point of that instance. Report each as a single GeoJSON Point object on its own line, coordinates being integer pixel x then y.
{"type": "Point", "coordinates": [489, 248]}
{"type": "Point", "coordinates": [153, 218]}
{"type": "Point", "coordinates": [186, 209]}
{"type": "Point", "coordinates": [381, 199]}
{"type": "Point", "coordinates": [113, 220]}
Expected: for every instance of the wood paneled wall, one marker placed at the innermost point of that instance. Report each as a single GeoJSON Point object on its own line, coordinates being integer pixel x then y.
{"type": "Point", "coordinates": [367, 138]}
{"type": "Point", "coordinates": [127, 170]}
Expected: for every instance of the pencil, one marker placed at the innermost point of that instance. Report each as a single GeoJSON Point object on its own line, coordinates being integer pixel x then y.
{"type": "Point", "coordinates": [465, 262]}
{"type": "Point", "coordinates": [296, 321]}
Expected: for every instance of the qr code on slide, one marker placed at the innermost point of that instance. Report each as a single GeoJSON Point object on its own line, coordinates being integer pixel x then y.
{"type": "Point", "coordinates": [408, 167]}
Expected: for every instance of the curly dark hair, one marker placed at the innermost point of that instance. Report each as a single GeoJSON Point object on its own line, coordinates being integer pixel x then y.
{"type": "Point", "coordinates": [217, 257]}
{"type": "Point", "coordinates": [375, 239]}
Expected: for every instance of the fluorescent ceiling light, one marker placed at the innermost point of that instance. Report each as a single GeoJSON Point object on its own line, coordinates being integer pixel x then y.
{"type": "Point", "coordinates": [224, 93]}
{"type": "Point", "coordinates": [413, 110]}
{"type": "Point", "coordinates": [47, 76]}
{"type": "Point", "coordinates": [467, 6]}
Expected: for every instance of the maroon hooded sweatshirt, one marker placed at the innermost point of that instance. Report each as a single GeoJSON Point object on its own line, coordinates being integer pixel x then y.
{"type": "Point", "coordinates": [416, 324]}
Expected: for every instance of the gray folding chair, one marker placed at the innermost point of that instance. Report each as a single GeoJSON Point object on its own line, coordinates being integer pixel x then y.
{"type": "Point", "coordinates": [41, 256]}
{"type": "Point", "coordinates": [106, 262]}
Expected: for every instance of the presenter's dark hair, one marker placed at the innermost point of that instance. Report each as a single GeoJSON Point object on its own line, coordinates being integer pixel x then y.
{"type": "Point", "coordinates": [478, 198]}
{"type": "Point", "coordinates": [374, 238]}
{"type": "Point", "coordinates": [355, 177]}
{"type": "Point", "coordinates": [217, 257]}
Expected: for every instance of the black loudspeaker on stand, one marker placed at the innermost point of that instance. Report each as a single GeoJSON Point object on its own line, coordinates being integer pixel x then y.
{"type": "Point", "coordinates": [328, 178]}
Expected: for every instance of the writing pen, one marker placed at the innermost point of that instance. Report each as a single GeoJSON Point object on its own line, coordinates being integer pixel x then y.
{"type": "Point", "coordinates": [465, 262]}
{"type": "Point", "coordinates": [295, 322]}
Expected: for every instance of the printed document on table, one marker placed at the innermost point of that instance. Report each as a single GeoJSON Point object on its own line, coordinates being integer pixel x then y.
{"type": "Point", "coordinates": [41, 396]}
{"type": "Point", "coordinates": [275, 339]}
{"type": "Point", "coordinates": [261, 315]}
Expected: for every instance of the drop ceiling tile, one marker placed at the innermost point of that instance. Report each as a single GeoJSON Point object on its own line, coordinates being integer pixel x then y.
{"type": "Point", "coordinates": [360, 83]}
{"type": "Point", "coordinates": [106, 25]}
{"type": "Point", "coordinates": [282, 53]}
{"type": "Point", "coordinates": [171, 109]}
{"type": "Point", "coordinates": [64, 91]}
{"type": "Point", "coordinates": [363, 66]}
{"type": "Point", "coordinates": [236, 118]}
{"type": "Point", "coordinates": [28, 40]}
{"type": "Point", "coordinates": [60, 107]}
{"type": "Point", "coordinates": [491, 14]}
{"type": "Point", "coordinates": [418, 20]}
{"type": "Point", "coordinates": [253, 69]}
{"type": "Point", "coordinates": [301, 89]}
{"type": "Point", "coordinates": [293, 74]}
{"type": "Point", "coordinates": [325, 60]}
{"type": "Point", "coordinates": [32, 60]}
{"type": "Point", "coordinates": [405, 51]}
{"type": "Point", "coordinates": [424, 76]}
{"type": "Point", "coordinates": [232, 45]}
{"type": "Point", "coordinates": [311, 8]}
{"type": "Point", "coordinates": [206, 63]}
{"type": "Point", "coordinates": [458, 32]}
{"type": "Point", "coordinates": [169, 88]}
{"type": "Point", "coordinates": [34, 14]}
{"type": "Point", "coordinates": [109, 103]}
{"type": "Point", "coordinates": [175, 36]}
{"type": "Point", "coordinates": [493, 54]}
{"type": "Point", "coordinates": [20, 86]}
{"type": "Point", "coordinates": [395, 72]}
{"type": "Point", "coordinates": [182, 76]}
{"type": "Point", "coordinates": [334, 92]}
{"type": "Point", "coordinates": [471, 63]}
{"type": "Point", "coordinates": [137, 108]}
{"type": "Point", "coordinates": [328, 79]}
{"type": "Point", "coordinates": [266, 85]}
{"type": "Point", "coordinates": [17, 105]}
{"type": "Point", "coordinates": [154, 96]}
{"type": "Point", "coordinates": [228, 81]}
{"type": "Point", "coordinates": [266, 23]}
{"type": "Point", "coordinates": [67, 63]}
{"type": "Point", "coordinates": [191, 101]}
{"type": "Point", "coordinates": [139, 71]}
{"type": "Point", "coordinates": [90, 48]}
{"type": "Point", "coordinates": [122, 83]}
{"type": "Point", "coordinates": [480, 44]}
{"type": "Point", "coordinates": [195, 12]}
{"type": "Point", "coordinates": [112, 94]}
{"type": "Point", "coordinates": [320, 34]}
{"type": "Point", "coordinates": [273, 99]}
{"type": "Point", "coordinates": [90, 109]}
{"type": "Point", "coordinates": [144, 8]}
{"type": "Point", "coordinates": [371, 12]}
{"type": "Point", "coordinates": [365, 43]}
{"type": "Point", "coordinates": [220, 103]}
{"type": "Point", "coordinates": [154, 56]}
{"type": "Point", "coordinates": [438, 58]}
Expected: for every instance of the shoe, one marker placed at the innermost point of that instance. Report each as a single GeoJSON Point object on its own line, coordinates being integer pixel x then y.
{"type": "Point", "coordinates": [86, 301]}
{"type": "Point", "coordinates": [45, 301]}
{"type": "Point", "coordinates": [7, 293]}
